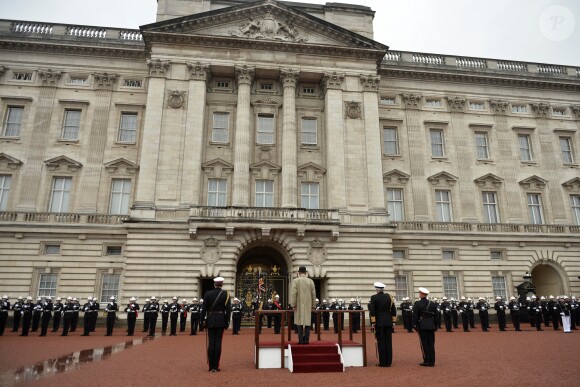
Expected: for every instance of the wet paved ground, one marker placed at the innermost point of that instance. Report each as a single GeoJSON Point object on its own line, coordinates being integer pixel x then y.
{"type": "Point", "coordinates": [476, 358]}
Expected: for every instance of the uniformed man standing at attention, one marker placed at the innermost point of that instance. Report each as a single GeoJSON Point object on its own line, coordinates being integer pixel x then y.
{"type": "Point", "coordinates": [87, 317]}
{"type": "Point", "coordinates": [514, 308]}
{"type": "Point", "coordinates": [462, 307]}
{"type": "Point", "coordinates": [423, 322]}
{"type": "Point", "coordinates": [407, 312]}
{"type": "Point", "coordinates": [325, 315]}
{"type": "Point", "coordinates": [446, 307]}
{"type": "Point", "coordinates": [277, 317]}
{"type": "Point", "coordinates": [132, 310]}
{"type": "Point", "coordinates": [4, 308]}
{"type": "Point", "coordinates": [236, 316]}
{"type": "Point", "coordinates": [26, 312]}
{"type": "Point", "coordinates": [145, 311]}
{"type": "Point", "coordinates": [57, 309]}
{"type": "Point", "coordinates": [46, 315]}
{"type": "Point", "coordinates": [75, 315]}
{"type": "Point", "coordinates": [383, 314]}
{"type": "Point", "coordinates": [164, 316]}
{"type": "Point", "coordinates": [500, 309]}
{"type": "Point", "coordinates": [355, 305]}
{"type": "Point", "coordinates": [483, 307]}
{"type": "Point", "coordinates": [216, 318]}
{"type": "Point", "coordinates": [111, 310]}
{"type": "Point", "coordinates": [17, 308]}
{"type": "Point", "coordinates": [153, 314]}
{"type": "Point", "coordinates": [68, 310]}
{"type": "Point", "coordinates": [36, 314]}
{"type": "Point", "coordinates": [194, 312]}
{"type": "Point", "coordinates": [173, 314]}
{"type": "Point", "coordinates": [183, 315]}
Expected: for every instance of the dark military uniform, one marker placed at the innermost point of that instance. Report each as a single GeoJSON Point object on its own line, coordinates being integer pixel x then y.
{"type": "Point", "coordinates": [153, 314]}
{"type": "Point", "coordinates": [500, 309]}
{"type": "Point", "coordinates": [57, 314]}
{"type": "Point", "coordinates": [514, 308]}
{"type": "Point", "coordinates": [574, 309]}
{"type": "Point", "coordinates": [555, 310]}
{"type": "Point", "coordinates": [383, 313]}
{"type": "Point", "coordinates": [355, 317]}
{"type": "Point", "coordinates": [164, 317]}
{"type": "Point", "coordinates": [269, 306]}
{"type": "Point", "coordinates": [26, 312]}
{"type": "Point", "coordinates": [68, 311]}
{"type": "Point", "coordinates": [182, 316]}
{"type": "Point", "coordinates": [471, 313]}
{"type": "Point", "coordinates": [454, 314]}
{"type": "Point", "coordinates": [173, 314]}
{"type": "Point", "coordinates": [75, 315]}
{"type": "Point", "coordinates": [325, 315]}
{"type": "Point", "coordinates": [236, 317]}
{"type": "Point", "coordinates": [145, 311]}
{"type": "Point", "coordinates": [407, 312]}
{"type": "Point", "coordinates": [216, 318]}
{"type": "Point", "coordinates": [535, 308]}
{"type": "Point", "coordinates": [111, 310]}
{"type": "Point", "coordinates": [87, 318]}
{"type": "Point", "coordinates": [483, 307]}
{"type": "Point", "coordinates": [4, 308]}
{"type": "Point", "coordinates": [17, 308]}
{"type": "Point", "coordinates": [446, 307]}
{"type": "Point", "coordinates": [94, 314]}
{"type": "Point", "coordinates": [545, 311]}
{"type": "Point", "coordinates": [277, 319]}
{"type": "Point", "coordinates": [36, 314]}
{"type": "Point", "coordinates": [423, 312]}
{"type": "Point", "coordinates": [46, 316]}
{"type": "Point", "coordinates": [194, 312]}
{"type": "Point", "coordinates": [462, 309]}
{"type": "Point", "coordinates": [132, 310]}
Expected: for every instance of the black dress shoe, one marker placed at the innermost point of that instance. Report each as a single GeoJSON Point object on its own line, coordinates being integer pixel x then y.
{"type": "Point", "coordinates": [424, 364]}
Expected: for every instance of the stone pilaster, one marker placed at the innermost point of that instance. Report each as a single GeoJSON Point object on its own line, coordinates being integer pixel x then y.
{"type": "Point", "coordinates": [241, 189]}
{"type": "Point", "coordinates": [49, 77]}
{"type": "Point", "coordinates": [335, 148]}
{"type": "Point", "coordinates": [417, 157]}
{"type": "Point", "coordinates": [376, 194]}
{"type": "Point", "coordinates": [194, 140]}
{"type": "Point", "coordinates": [288, 79]}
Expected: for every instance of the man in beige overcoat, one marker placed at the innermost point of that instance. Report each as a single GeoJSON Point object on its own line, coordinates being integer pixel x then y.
{"type": "Point", "coordinates": [303, 300]}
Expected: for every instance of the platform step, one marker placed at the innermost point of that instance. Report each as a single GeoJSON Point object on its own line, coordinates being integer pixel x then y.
{"type": "Point", "coordinates": [302, 349]}
{"type": "Point", "coordinates": [316, 358]}
{"type": "Point", "coordinates": [318, 367]}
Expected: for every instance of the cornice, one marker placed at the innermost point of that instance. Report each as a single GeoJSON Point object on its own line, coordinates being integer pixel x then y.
{"type": "Point", "coordinates": [483, 79]}
{"type": "Point", "coordinates": [70, 48]}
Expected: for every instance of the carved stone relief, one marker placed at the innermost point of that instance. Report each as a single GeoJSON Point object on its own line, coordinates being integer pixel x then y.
{"type": "Point", "coordinates": [157, 67]}
{"type": "Point", "coordinates": [352, 109]}
{"type": "Point", "coordinates": [412, 101]}
{"type": "Point", "coordinates": [317, 252]}
{"type": "Point", "coordinates": [175, 98]}
{"type": "Point", "coordinates": [211, 250]}
{"type": "Point", "coordinates": [268, 27]}
{"type": "Point", "coordinates": [49, 77]}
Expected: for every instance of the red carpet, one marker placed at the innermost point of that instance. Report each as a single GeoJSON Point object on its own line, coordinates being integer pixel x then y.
{"type": "Point", "coordinates": [316, 358]}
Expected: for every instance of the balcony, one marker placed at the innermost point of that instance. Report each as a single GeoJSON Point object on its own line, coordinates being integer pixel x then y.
{"type": "Point", "coordinates": [60, 218]}
{"type": "Point", "coordinates": [512, 228]}
{"type": "Point", "coordinates": [274, 215]}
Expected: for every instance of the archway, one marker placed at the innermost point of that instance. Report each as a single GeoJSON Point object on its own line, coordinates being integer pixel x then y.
{"type": "Point", "coordinates": [547, 281]}
{"type": "Point", "coordinates": [262, 273]}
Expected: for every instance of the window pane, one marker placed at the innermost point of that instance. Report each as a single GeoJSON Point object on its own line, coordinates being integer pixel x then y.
{"type": "Point", "coordinates": [448, 254]}
{"type": "Point", "coordinates": [72, 123]}
{"type": "Point", "coordinates": [128, 127]}
{"type": "Point", "coordinates": [535, 208]}
{"type": "Point", "coordinates": [490, 207]}
{"type": "Point", "coordinates": [13, 122]}
{"type": "Point", "coordinates": [391, 141]}
{"type": "Point", "coordinates": [217, 192]}
{"type": "Point", "coordinates": [309, 195]}
{"type": "Point", "coordinates": [264, 193]}
{"type": "Point", "coordinates": [437, 143]}
{"type": "Point", "coordinates": [481, 146]}
{"type": "Point", "coordinates": [399, 254]}
{"type": "Point", "coordinates": [60, 194]}
{"type": "Point", "coordinates": [566, 146]}
{"type": "Point", "coordinates": [47, 285]}
{"type": "Point", "coordinates": [219, 131]}
{"type": "Point", "coordinates": [576, 208]}
{"type": "Point", "coordinates": [395, 207]}
{"type": "Point", "coordinates": [5, 181]}
{"type": "Point", "coordinates": [120, 196]}
{"type": "Point", "coordinates": [450, 287]}
{"type": "Point", "coordinates": [309, 131]}
{"type": "Point", "coordinates": [443, 206]}
{"type": "Point", "coordinates": [525, 147]}
{"type": "Point", "coordinates": [499, 288]}
{"type": "Point", "coordinates": [110, 287]}
{"type": "Point", "coordinates": [496, 255]}
{"type": "Point", "coordinates": [401, 288]}
{"type": "Point", "coordinates": [265, 130]}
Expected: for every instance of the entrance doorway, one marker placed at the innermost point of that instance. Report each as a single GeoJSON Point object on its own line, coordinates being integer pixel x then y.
{"type": "Point", "coordinates": [205, 285]}
{"type": "Point", "coordinates": [547, 281]}
{"type": "Point", "coordinates": [262, 274]}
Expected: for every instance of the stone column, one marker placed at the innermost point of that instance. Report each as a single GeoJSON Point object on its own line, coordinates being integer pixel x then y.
{"type": "Point", "coordinates": [335, 147]}
{"type": "Point", "coordinates": [241, 189]}
{"type": "Point", "coordinates": [417, 157]}
{"type": "Point", "coordinates": [508, 164]}
{"type": "Point", "coordinates": [288, 78]}
{"type": "Point", "coordinates": [33, 167]}
{"type": "Point", "coordinates": [376, 192]}
{"type": "Point", "coordinates": [91, 176]}
{"type": "Point", "coordinates": [465, 156]}
{"type": "Point", "coordinates": [191, 188]}
{"type": "Point", "coordinates": [146, 186]}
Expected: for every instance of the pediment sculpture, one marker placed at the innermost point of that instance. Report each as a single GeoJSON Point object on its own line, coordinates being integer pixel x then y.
{"type": "Point", "coordinates": [267, 27]}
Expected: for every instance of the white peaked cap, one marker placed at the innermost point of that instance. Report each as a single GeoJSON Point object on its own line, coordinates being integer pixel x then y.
{"type": "Point", "coordinates": [112, 298]}
{"type": "Point", "coordinates": [423, 290]}
{"type": "Point", "coordinates": [551, 297]}
{"type": "Point", "coordinates": [528, 299]}
{"type": "Point", "coordinates": [147, 300]}
{"type": "Point", "coordinates": [153, 298]}
{"type": "Point", "coordinates": [201, 300]}
{"type": "Point", "coordinates": [174, 298]}
{"type": "Point", "coordinates": [69, 298]}
{"type": "Point", "coordinates": [166, 302]}
{"type": "Point", "coordinates": [469, 299]}
{"type": "Point", "coordinates": [74, 299]}
{"type": "Point", "coordinates": [324, 300]}
{"type": "Point", "coordinates": [333, 300]}
{"type": "Point", "coordinates": [194, 299]}
{"type": "Point", "coordinates": [38, 298]}
{"type": "Point", "coordinates": [236, 299]}
{"type": "Point", "coordinates": [352, 300]}
{"type": "Point", "coordinates": [5, 297]}
{"type": "Point", "coordinates": [498, 298]}
{"type": "Point", "coordinates": [542, 298]}
{"type": "Point", "coordinates": [218, 280]}
{"type": "Point", "coordinates": [184, 300]}
{"type": "Point", "coordinates": [463, 297]}
{"type": "Point", "coordinates": [379, 285]}
{"type": "Point", "coordinates": [132, 299]}
{"type": "Point", "coordinates": [444, 298]}
{"type": "Point", "coordinates": [512, 298]}
{"type": "Point", "coordinates": [59, 299]}
{"type": "Point", "coordinates": [29, 298]}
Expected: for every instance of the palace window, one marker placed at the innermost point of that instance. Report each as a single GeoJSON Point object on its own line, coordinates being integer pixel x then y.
{"type": "Point", "coordinates": [525, 145]}
{"type": "Point", "coordinates": [47, 285]}
{"type": "Point", "coordinates": [482, 145]}
{"type": "Point", "coordinates": [51, 249]}
{"type": "Point", "coordinates": [114, 250]}
{"type": "Point", "coordinates": [264, 193]}
{"type": "Point", "coordinates": [490, 213]}
{"type": "Point", "coordinates": [265, 130]}
{"type": "Point", "coordinates": [60, 194]}
{"type": "Point", "coordinates": [222, 84]}
{"type": "Point", "coordinates": [535, 208]}
{"type": "Point", "coordinates": [78, 80]}
{"type": "Point", "coordinates": [567, 152]}
{"type": "Point", "coordinates": [395, 206]}
{"type": "Point", "coordinates": [498, 284]}
{"type": "Point", "coordinates": [5, 181]}
{"type": "Point", "coordinates": [576, 208]}
{"type": "Point", "coordinates": [433, 103]}
{"type": "Point", "coordinates": [496, 255]}
{"type": "Point", "coordinates": [22, 76]}
{"type": "Point", "coordinates": [448, 254]}
{"type": "Point", "coordinates": [476, 106]}
{"type": "Point", "coordinates": [450, 288]}
{"type": "Point", "coordinates": [443, 205]}
{"type": "Point", "coordinates": [558, 111]}
{"type": "Point", "coordinates": [133, 83]}
{"type": "Point", "coordinates": [128, 128]}
{"type": "Point", "coordinates": [120, 196]}
{"type": "Point", "coordinates": [391, 141]}
{"type": "Point", "coordinates": [399, 254]}
{"type": "Point", "coordinates": [266, 86]}
{"type": "Point", "coordinates": [437, 143]}
{"type": "Point", "coordinates": [109, 287]}
{"type": "Point", "coordinates": [309, 195]}
{"type": "Point", "coordinates": [72, 125]}
{"type": "Point", "coordinates": [219, 132]}
{"type": "Point", "coordinates": [519, 109]}
{"type": "Point", "coordinates": [388, 101]}
{"type": "Point", "coordinates": [217, 192]}
{"type": "Point", "coordinates": [401, 287]}
{"type": "Point", "coordinates": [13, 122]}
{"type": "Point", "coordinates": [309, 131]}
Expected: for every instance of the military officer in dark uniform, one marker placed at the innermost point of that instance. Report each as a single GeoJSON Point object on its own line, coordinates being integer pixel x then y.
{"type": "Point", "coordinates": [57, 314]}
{"type": "Point", "coordinates": [471, 312]}
{"type": "Point", "coordinates": [355, 317]}
{"type": "Point", "coordinates": [325, 315]}
{"type": "Point", "coordinates": [4, 308]}
{"type": "Point", "coordinates": [574, 307]}
{"type": "Point", "coordinates": [201, 327]}
{"type": "Point", "coordinates": [94, 313]}
{"type": "Point", "coordinates": [36, 314]}
{"type": "Point", "coordinates": [277, 317]}
{"type": "Point", "coordinates": [483, 307]}
{"type": "Point", "coordinates": [554, 307]}
{"type": "Point", "coordinates": [173, 314]}
{"type": "Point", "coordinates": [87, 318]}
{"type": "Point", "coordinates": [446, 307]}
{"type": "Point", "coordinates": [164, 316]}
{"type": "Point", "coordinates": [462, 309]}
{"type": "Point", "coordinates": [145, 311]}
{"type": "Point", "coordinates": [183, 315]}
{"type": "Point", "coordinates": [194, 312]}
{"type": "Point", "coordinates": [407, 313]}
{"type": "Point", "coordinates": [545, 310]}
{"type": "Point", "coordinates": [216, 318]}
{"type": "Point", "coordinates": [236, 316]}
{"type": "Point", "coordinates": [500, 309]}
{"type": "Point", "coordinates": [132, 310]}
{"type": "Point", "coordinates": [111, 310]}
{"type": "Point", "coordinates": [153, 314]}
{"type": "Point", "coordinates": [269, 306]}
{"type": "Point", "coordinates": [26, 312]}
{"type": "Point", "coordinates": [17, 308]}
{"type": "Point", "coordinates": [514, 308]}
{"type": "Point", "coordinates": [47, 308]}
{"type": "Point", "coordinates": [383, 313]}
{"type": "Point", "coordinates": [536, 310]}
{"type": "Point", "coordinates": [75, 315]}
{"type": "Point", "coordinates": [454, 314]}
{"type": "Point", "coordinates": [67, 311]}
{"type": "Point", "coordinates": [423, 312]}
{"type": "Point", "coordinates": [437, 315]}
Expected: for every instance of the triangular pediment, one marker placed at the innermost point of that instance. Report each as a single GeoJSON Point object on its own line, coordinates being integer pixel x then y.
{"type": "Point", "coordinates": [120, 163]}
{"type": "Point", "coordinates": [489, 180]}
{"type": "Point", "coordinates": [311, 171]}
{"type": "Point", "coordinates": [217, 168]}
{"type": "Point", "coordinates": [265, 164]}
{"type": "Point", "coordinates": [572, 184]}
{"type": "Point", "coordinates": [396, 176]}
{"type": "Point", "coordinates": [63, 163]}
{"type": "Point", "coordinates": [9, 161]}
{"type": "Point", "coordinates": [257, 24]}
{"type": "Point", "coordinates": [442, 178]}
{"type": "Point", "coordinates": [534, 182]}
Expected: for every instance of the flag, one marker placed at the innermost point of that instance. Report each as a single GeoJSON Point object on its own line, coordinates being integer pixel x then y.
{"type": "Point", "coordinates": [261, 287]}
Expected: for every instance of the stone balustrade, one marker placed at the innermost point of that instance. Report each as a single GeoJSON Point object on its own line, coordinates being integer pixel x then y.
{"type": "Point", "coordinates": [56, 217]}
{"type": "Point", "coordinates": [267, 214]}
{"type": "Point", "coordinates": [77, 31]}
{"type": "Point", "coordinates": [487, 227]}
{"type": "Point", "coordinates": [481, 64]}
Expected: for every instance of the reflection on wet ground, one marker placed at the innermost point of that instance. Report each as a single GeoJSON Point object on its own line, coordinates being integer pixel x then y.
{"type": "Point", "coordinates": [65, 363]}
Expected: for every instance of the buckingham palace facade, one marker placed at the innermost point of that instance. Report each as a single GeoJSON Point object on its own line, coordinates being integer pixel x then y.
{"type": "Point", "coordinates": [246, 138]}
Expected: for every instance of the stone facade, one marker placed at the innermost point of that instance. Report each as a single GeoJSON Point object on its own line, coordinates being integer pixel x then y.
{"type": "Point", "coordinates": [189, 149]}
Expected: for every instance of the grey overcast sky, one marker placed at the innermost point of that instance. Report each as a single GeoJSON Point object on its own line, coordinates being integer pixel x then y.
{"type": "Point", "coordinates": [541, 31]}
